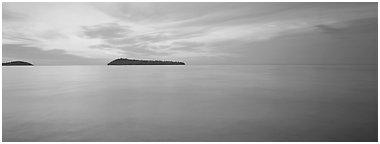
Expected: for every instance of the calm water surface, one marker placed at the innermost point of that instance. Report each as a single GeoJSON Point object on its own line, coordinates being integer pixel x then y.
{"type": "Point", "coordinates": [190, 103]}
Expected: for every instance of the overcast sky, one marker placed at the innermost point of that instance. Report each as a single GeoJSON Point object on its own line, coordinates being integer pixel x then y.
{"type": "Point", "coordinates": [196, 33]}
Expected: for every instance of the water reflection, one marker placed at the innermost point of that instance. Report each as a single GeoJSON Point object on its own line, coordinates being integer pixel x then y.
{"type": "Point", "coordinates": [190, 103]}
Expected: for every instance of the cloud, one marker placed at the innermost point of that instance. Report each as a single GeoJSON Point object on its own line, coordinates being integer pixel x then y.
{"type": "Point", "coordinates": [12, 16]}
{"type": "Point", "coordinates": [327, 28]}
{"type": "Point", "coordinates": [122, 41]}
{"type": "Point", "coordinates": [106, 31]}
{"type": "Point", "coordinates": [354, 43]}
{"type": "Point", "coordinates": [154, 43]}
{"type": "Point", "coordinates": [191, 31]}
{"type": "Point", "coordinates": [17, 38]}
{"type": "Point", "coordinates": [52, 34]}
{"type": "Point", "coordinates": [49, 57]}
{"type": "Point", "coordinates": [188, 44]}
{"type": "Point", "coordinates": [101, 46]}
{"type": "Point", "coordinates": [358, 26]}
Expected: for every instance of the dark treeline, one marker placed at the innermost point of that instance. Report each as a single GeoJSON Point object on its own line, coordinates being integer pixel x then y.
{"type": "Point", "coordinates": [17, 63]}
{"type": "Point", "coordinates": [125, 61]}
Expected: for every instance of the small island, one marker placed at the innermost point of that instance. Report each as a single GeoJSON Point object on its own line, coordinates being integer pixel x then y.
{"type": "Point", "coordinates": [125, 61]}
{"type": "Point", "coordinates": [17, 63]}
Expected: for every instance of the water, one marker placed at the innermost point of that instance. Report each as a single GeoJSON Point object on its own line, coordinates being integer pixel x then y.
{"type": "Point", "coordinates": [190, 103]}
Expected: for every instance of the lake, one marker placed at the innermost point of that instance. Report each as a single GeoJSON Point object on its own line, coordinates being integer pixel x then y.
{"type": "Point", "coordinates": [190, 103]}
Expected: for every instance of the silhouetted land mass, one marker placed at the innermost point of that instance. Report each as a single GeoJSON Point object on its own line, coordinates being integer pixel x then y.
{"type": "Point", "coordinates": [17, 63]}
{"type": "Point", "coordinates": [125, 61]}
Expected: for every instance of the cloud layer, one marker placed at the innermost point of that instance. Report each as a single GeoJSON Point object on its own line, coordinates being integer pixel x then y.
{"type": "Point", "coordinates": [198, 33]}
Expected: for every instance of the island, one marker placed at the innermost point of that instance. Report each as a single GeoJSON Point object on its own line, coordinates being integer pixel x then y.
{"type": "Point", "coordinates": [17, 63]}
{"type": "Point", "coordinates": [125, 61]}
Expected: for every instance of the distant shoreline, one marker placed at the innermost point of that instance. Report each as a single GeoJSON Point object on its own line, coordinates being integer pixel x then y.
{"type": "Point", "coordinates": [17, 63]}
{"type": "Point", "coordinates": [125, 61]}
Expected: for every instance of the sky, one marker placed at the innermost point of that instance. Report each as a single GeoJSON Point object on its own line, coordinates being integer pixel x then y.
{"type": "Point", "coordinates": [195, 33]}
